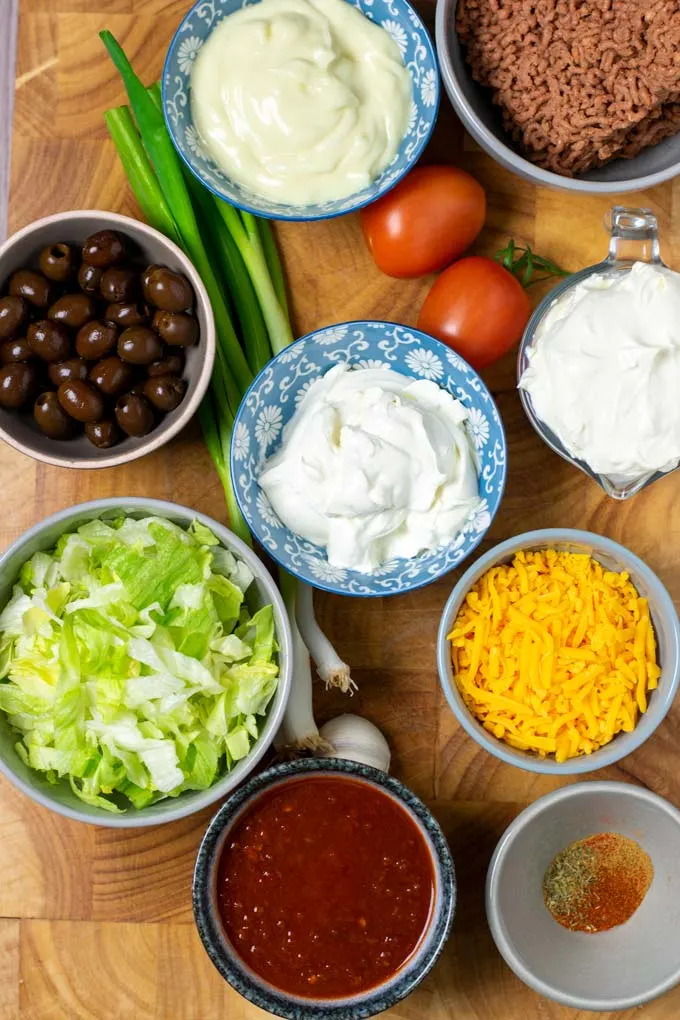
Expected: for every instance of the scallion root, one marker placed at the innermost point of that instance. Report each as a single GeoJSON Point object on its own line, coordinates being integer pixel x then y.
{"type": "Point", "coordinates": [330, 667]}
{"type": "Point", "coordinates": [299, 733]}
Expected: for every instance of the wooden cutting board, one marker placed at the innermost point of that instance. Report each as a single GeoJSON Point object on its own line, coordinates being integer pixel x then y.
{"type": "Point", "coordinates": [97, 923]}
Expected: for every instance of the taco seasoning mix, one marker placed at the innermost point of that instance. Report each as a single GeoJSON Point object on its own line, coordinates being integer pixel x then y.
{"type": "Point", "coordinates": [597, 883]}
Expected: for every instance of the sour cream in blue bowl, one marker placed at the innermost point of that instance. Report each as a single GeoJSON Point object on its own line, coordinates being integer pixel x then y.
{"type": "Point", "coordinates": [368, 458]}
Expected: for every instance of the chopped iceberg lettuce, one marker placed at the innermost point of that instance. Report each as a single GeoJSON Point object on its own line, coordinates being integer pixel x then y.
{"type": "Point", "coordinates": [130, 665]}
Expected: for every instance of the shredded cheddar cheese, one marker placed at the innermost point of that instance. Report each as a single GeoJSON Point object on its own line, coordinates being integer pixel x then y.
{"type": "Point", "coordinates": [554, 654]}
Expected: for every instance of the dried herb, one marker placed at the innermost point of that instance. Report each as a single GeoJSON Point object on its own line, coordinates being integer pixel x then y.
{"type": "Point", "coordinates": [597, 883]}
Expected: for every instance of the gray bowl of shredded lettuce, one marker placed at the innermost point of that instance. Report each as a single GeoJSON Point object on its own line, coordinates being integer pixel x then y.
{"type": "Point", "coordinates": [145, 662]}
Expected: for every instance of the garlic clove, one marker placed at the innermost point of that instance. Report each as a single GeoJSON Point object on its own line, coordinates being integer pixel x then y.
{"type": "Point", "coordinates": [357, 739]}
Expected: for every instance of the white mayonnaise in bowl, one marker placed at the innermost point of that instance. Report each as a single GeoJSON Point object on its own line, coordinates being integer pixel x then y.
{"type": "Point", "coordinates": [594, 380]}
{"type": "Point", "coordinates": [306, 96]}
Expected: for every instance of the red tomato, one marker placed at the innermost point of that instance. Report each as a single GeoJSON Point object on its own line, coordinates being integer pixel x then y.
{"type": "Point", "coordinates": [478, 308]}
{"type": "Point", "coordinates": [430, 217]}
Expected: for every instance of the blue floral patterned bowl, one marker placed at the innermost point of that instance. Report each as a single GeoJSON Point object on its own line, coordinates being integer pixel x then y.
{"type": "Point", "coordinates": [271, 401]}
{"type": "Point", "coordinates": [396, 16]}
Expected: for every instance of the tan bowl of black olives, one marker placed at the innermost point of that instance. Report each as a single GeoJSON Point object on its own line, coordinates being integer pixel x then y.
{"type": "Point", "coordinates": [107, 339]}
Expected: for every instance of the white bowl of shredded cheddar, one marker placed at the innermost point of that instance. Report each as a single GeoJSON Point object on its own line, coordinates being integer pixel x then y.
{"type": "Point", "coordinates": [559, 651]}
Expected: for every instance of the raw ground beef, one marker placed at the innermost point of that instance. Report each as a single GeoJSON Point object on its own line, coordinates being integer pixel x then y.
{"type": "Point", "coordinates": [579, 82]}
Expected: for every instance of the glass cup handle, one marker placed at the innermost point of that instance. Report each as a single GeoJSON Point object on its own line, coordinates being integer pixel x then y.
{"type": "Point", "coordinates": [634, 236]}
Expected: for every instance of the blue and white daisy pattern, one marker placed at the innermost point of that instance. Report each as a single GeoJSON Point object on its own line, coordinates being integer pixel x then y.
{"type": "Point", "coordinates": [425, 363]}
{"type": "Point", "coordinates": [322, 570]}
{"type": "Point", "coordinates": [456, 362]}
{"type": "Point", "coordinates": [397, 33]}
{"type": "Point", "coordinates": [193, 140]}
{"type": "Point", "coordinates": [241, 442]}
{"type": "Point", "coordinates": [290, 353]}
{"type": "Point", "coordinates": [266, 511]}
{"type": "Point", "coordinates": [332, 335]}
{"type": "Point", "coordinates": [480, 518]}
{"type": "Point", "coordinates": [428, 88]}
{"type": "Point", "coordinates": [187, 53]}
{"type": "Point", "coordinates": [478, 427]}
{"type": "Point", "coordinates": [302, 392]}
{"type": "Point", "coordinates": [280, 389]}
{"type": "Point", "coordinates": [268, 425]}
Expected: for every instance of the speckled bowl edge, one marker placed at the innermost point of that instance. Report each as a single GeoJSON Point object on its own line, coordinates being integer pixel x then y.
{"type": "Point", "coordinates": [280, 1004]}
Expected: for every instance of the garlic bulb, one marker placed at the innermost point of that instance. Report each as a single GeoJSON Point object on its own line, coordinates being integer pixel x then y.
{"type": "Point", "coordinates": [358, 740]}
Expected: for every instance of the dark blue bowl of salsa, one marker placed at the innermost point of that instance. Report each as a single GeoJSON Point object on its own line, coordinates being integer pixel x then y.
{"type": "Point", "coordinates": [324, 890]}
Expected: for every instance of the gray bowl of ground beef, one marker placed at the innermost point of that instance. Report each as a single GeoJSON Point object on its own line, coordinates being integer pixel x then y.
{"type": "Point", "coordinates": [584, 97]}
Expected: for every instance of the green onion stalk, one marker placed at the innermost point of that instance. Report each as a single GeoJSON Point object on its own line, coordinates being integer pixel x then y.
{"type": "Point", "coordinates": [235, 253]}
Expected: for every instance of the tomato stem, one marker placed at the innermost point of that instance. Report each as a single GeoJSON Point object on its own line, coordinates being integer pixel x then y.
{"type": "Point", "coordinates": [524, 263]}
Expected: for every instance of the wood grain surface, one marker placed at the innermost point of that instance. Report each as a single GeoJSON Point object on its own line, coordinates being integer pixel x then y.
{"type": "Point", "coordinates": [97, 924]}
{"type": "Point", "coordinates": [8, 32]}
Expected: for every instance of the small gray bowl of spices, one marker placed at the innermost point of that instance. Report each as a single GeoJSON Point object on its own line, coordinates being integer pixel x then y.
{"type": "Point", "coordinates": [583, 896]}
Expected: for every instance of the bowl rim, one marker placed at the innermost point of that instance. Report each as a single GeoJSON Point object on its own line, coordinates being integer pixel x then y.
{"type": "Point", "coordinates": [296, 213]}
{"type": "Point", "coordinates": [336, 588]}
{"type": "Point", "coordinates": [160, 435]}
{"type": "Point", "coordinates": [611, 752]}
{"type": "Point", "coordinates": [191, 801]}
{"type": "Point", "coordinates": [374, 1000]}
{"type": "Point", "coordinates": [507, 157]}
{"type": "Point", "coordinates": [493, 879]}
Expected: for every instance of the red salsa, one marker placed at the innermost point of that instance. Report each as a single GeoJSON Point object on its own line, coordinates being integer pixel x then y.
{"type": "Point", "coordinates": [325, 886]}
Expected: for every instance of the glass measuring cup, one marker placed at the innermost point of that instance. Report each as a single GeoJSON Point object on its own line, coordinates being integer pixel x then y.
{"type": "Point", "coordinates": [634, 237]}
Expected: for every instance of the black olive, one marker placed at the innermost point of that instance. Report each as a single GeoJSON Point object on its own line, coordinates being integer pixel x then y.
{"type": "Point", "coordinates": [96, 339]}
{"type": "Point", "coordinates": [73, 310]}
{"type": "Point", "coordinates": [30, 285]}
{"type": "Point", "coordinates": [134, 414]}
{"type": "Point", "coordinates": [51, 418]}
{"type": "Point", "coordinates": [17, 384]}
{"type": "Point", "coordinates": [15, 350]}
{"type": "Point", "coordinates": [81, 400]}
{"type": "Point", "coordinates": [128, 314]}
{"type": "Point", "coordinates": [177, 328]}
{"type": "Point", "coordinates": [171, 364]}
{"type": "Point", "coordinates": [146, 275]}
{"type": "Point", "coordinates": [119, 284]}
{"type": "Point", "coordinates": [66, 371]}
{"type": "Point", "coordinates": [139, 346]}
{"type": "Point", "coordinates": [103, 249]}
{"type": "Point", "coordinates": [58, 262]}
{"type": "Point", "coordinates": [165, 392]}
{"type": "Point", "coordinates": [167, 290]}
{"type": "Point", "coordinates": [89, 278]}
{"type": "Point", "coordinates": [111, 376]}
{"type": "Point", "coordinates": [13, 314]}
{"type": "Point", "coordinates": [49, 340]}
{"type": "Point", "coordinates": [102, 434]}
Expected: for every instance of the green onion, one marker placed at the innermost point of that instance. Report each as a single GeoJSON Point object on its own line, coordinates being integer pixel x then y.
{"type": "Point", "coordinates": [168, 168]}
{"type": "Point", "coordinates": [143, 180]}
{"type": "Point", "coordinates": [247, 238]}
{"type": "Point", "coordinates": [235, 278]}
{"type": "Point", "coordinates": [271, 254]}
